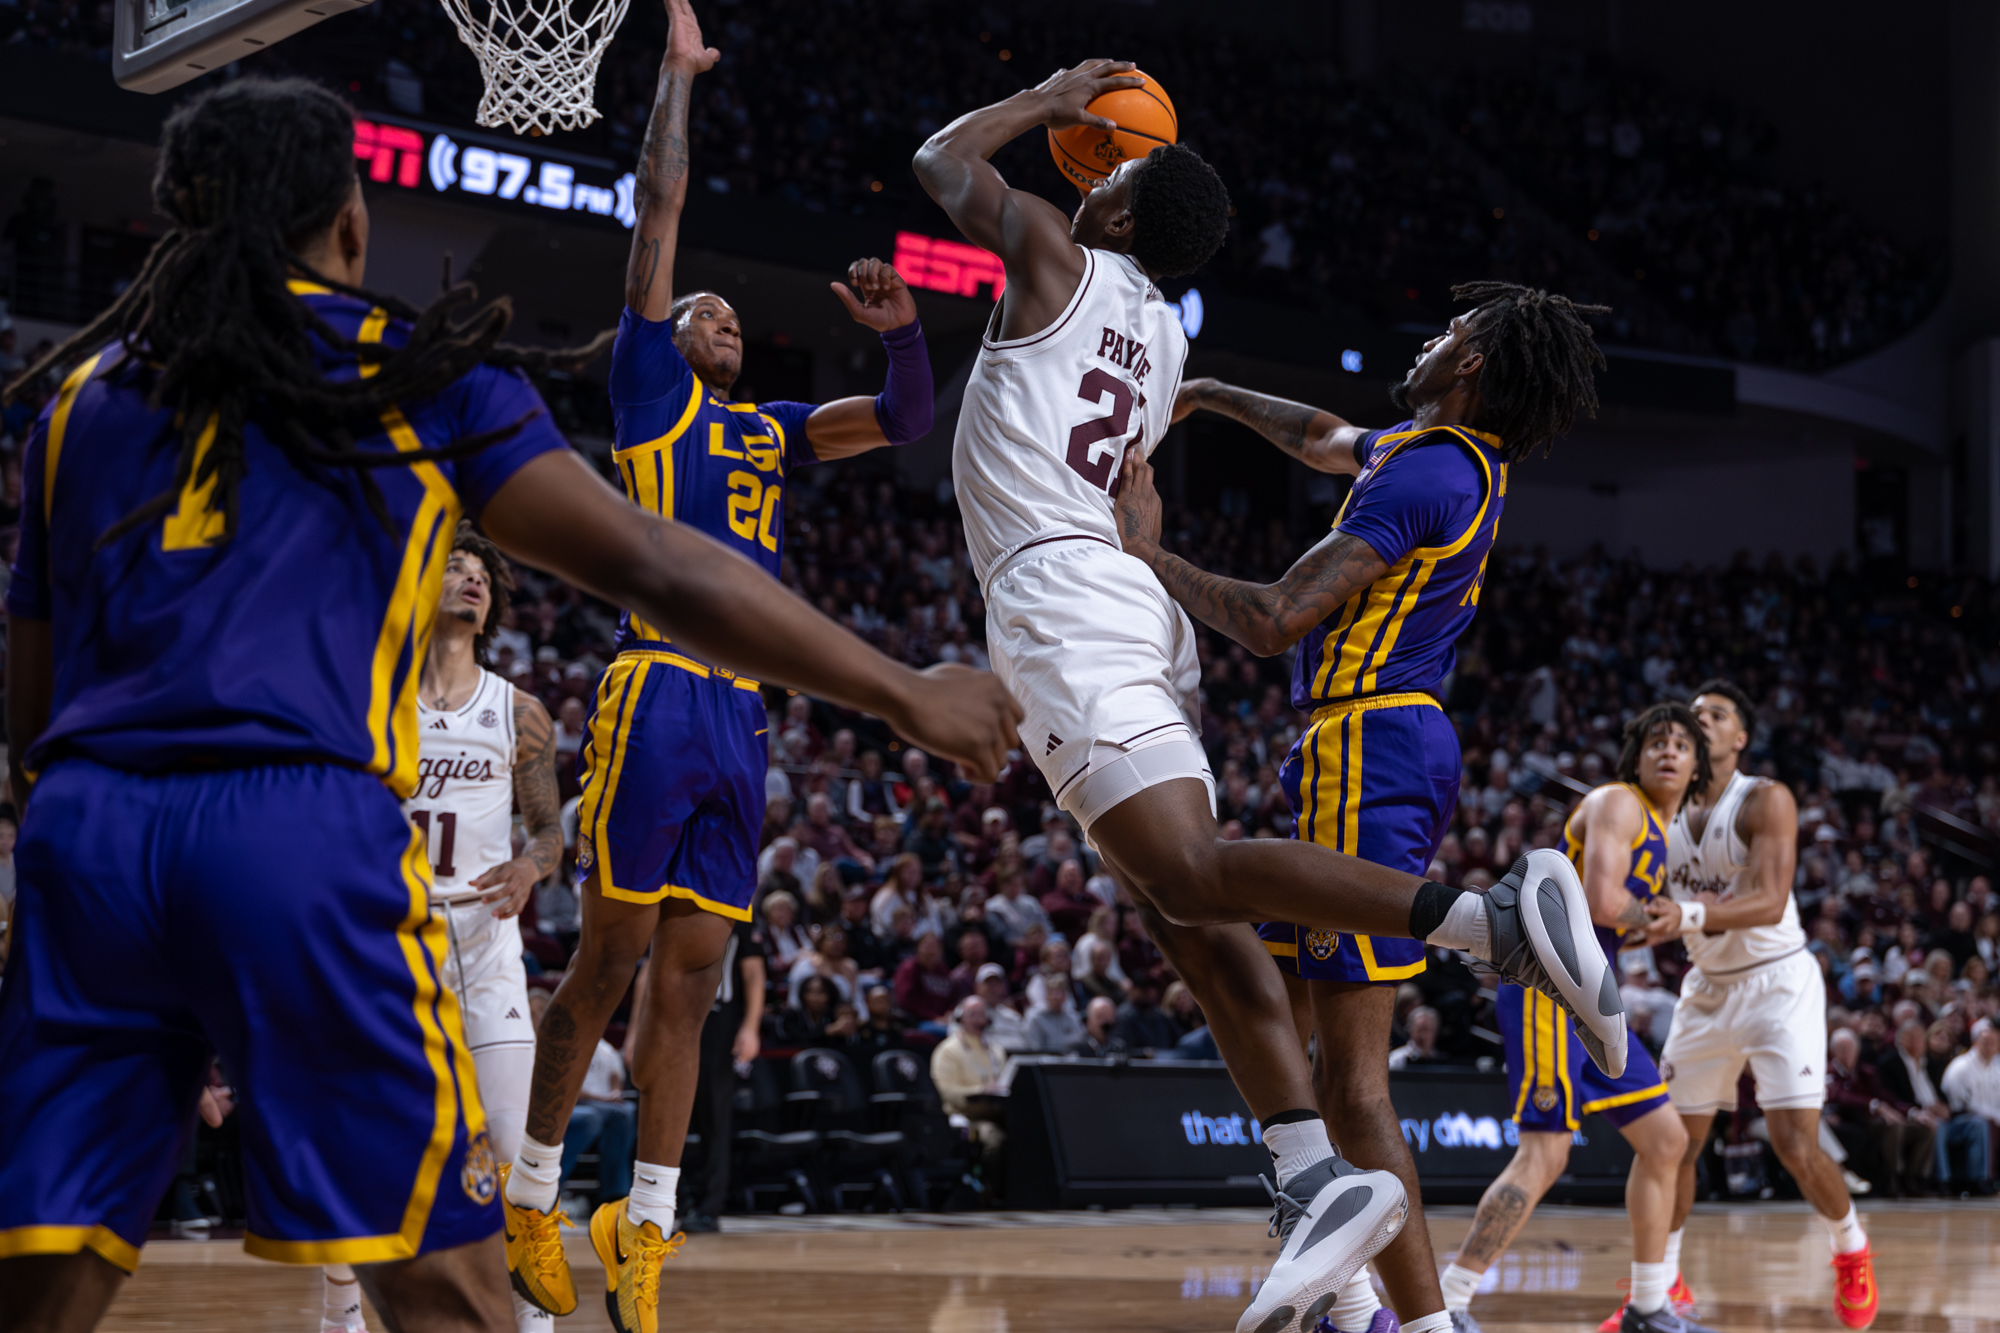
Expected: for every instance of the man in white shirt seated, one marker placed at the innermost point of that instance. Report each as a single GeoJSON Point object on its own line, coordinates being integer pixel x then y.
{"type": "Point", "coordinates": [1005, 1027]}
{"type": "Point", "coordinates": [1905, 1070]}
{"type": "Point", "coordinates": [1422, 1048]}
{"type": "Point", "coordinates": [1972, 1081]}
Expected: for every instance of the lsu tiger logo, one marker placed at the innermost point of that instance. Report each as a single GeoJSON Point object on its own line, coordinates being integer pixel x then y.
{"type": "Point", "coordinates": [1545, 1099]}
{"type": "Point", "coordinates": [480, 1176]}
{"type": "Point", "coordinates": [1322, 944]}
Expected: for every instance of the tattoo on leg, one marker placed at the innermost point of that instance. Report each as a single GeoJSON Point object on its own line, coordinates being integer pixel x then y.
{"type": "Point", "coordinates": [555, 1052]}
{"type": "Point", "coordinates": [1494, 1226]}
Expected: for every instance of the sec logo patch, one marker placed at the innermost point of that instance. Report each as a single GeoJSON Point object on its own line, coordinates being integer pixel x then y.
{"type": "Point", "coordinates": [1322, 944]}
{"type": "Point", "coordinates": [488, 718]}
{"type": "Point", "coordinates": [480, 1176]}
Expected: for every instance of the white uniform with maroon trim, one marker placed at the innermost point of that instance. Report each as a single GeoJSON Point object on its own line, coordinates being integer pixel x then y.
{"type": "Point", "coordinates": [1754, 995]}
{"type": "Point", "coordinates": [464, 802]}
{"type": "Point", "coordinates": [1101, 659]}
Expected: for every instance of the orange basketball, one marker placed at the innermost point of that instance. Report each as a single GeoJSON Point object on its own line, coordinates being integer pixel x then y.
{"type": "Point", "coordinates": [1145, 120]}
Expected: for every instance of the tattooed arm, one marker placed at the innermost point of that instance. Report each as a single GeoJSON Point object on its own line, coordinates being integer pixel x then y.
{"type": "Point", "coordinates": [1610, 820]}
{"type": "Point", "coordinates": [1266, 618]}
{"type": "Point", "coordinates": [1317, 438]}
{"type": "Point", "coordinates": [508, 886]}
{"type": "Point", "coordinates": [663, 167]}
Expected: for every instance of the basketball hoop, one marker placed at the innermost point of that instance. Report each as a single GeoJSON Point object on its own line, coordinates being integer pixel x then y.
{"type": "Point", "coordinates": [538, 57]}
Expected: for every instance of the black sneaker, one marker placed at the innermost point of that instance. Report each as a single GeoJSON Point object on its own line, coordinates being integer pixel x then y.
{"type": "Point", "coordinates": [1662, 1320]}
{"type": "Point", "coordinates": [1538, 922]}
{"type": "Point", "coordinates": [697, 1223]}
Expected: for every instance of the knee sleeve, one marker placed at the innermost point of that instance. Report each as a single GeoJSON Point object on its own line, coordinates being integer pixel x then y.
{"type": "Point", "coordinates": [1116, 773]}
{"type": "Point", "coordinates": [505, 1076]}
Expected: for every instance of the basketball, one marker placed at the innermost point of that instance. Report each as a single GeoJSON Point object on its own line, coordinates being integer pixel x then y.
{"type": "Point", "coordinates": [1145, 120]}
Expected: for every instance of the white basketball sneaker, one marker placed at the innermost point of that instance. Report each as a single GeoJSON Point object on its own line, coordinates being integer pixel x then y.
{"type": "Point", "coordinates": [1539, 925]}
{"type": "Point", "coordinates": [530, 1318]}
{"type": "Point", "coordinates": [1331, 1218]}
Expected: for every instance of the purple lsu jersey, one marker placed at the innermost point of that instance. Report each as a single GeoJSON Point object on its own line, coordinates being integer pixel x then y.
{"type": "Point", "coordinates": [684, 454]}
{"type": "Point", "coordinates": [1428, 502]}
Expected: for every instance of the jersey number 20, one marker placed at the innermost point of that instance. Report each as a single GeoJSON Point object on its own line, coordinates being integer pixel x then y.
{"type": "Point", "coordinates": [1083, 439]}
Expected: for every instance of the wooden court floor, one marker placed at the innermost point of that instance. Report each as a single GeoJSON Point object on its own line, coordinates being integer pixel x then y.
{"type": "Point", "coordinates": [1755, 1267]}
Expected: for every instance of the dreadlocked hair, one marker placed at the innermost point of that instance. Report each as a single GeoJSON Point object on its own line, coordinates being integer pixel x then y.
{"type": "Point", "coordinates": [248, 173]}
{"type": "Point", "coordinates": [499, 585]}
{"type": "Point", "coordinates": [1541, 362]}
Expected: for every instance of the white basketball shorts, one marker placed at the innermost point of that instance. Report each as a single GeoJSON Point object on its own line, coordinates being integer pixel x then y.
{"type": "Point", "coordinates": [1103, 664]}
{"type": "Point", "coordinates": [1772, 1018]}
{"type": "Point", "coordinates": [484, 970]}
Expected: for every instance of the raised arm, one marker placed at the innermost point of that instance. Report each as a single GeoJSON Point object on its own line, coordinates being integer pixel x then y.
{"type": "Point", "coordinates": [1313, 435]}
{"type": "Point", "coordinates": [879, 300]}
{"type": "Point", "coordinates": [1266, 618]}
{"type": "Point", "coordinates": [1769, 822]}
{"type": "Point", "coordinates": [558, 515]}
{"type": "Point", "coordinates": [1030, 235]}
{"type": "Point", "coordinates": [663, 167]}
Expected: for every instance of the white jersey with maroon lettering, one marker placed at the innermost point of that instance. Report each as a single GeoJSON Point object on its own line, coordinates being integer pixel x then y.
{"type": "Point", "coordinates": [464, 800]}
{"type": "Point", "coordinates": [1047, 419]}
{"type": "Point", "coordinates": [1101, 659]}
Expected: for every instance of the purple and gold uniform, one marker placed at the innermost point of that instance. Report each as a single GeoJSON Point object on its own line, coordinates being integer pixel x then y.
{"type": "Point", "coordinates": [674, 756]}
{"type": "Point", "coordinates": [1553, 1083]}
{"type": "Point", "coordinates": [215, 859]}
{"type": "Point", "coordinates": [1376, 772]}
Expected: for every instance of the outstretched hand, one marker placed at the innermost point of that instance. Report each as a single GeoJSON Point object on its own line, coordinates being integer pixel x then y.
{"type": "Point", "coordinates": [684, 45]}
{"type": "Point", "coordinates": [962, 715]}
{"type": "Point", "coordinates": [1138, 504]}
{"type": "Point", "coordinates": [1067, 92]}
{"type": "Point", "coordinates": [878, 296]}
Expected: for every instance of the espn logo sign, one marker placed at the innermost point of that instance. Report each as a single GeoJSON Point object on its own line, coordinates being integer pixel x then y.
{"type": "Point", "coordinates": [948, 266]}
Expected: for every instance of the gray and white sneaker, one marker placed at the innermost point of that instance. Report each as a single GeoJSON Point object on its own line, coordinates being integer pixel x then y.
{"type": "Point", "coordinates": [1539, 926]}
{"type": "Point", "coordinates": [1463, 1322]}
{"type": "Point", "coordinates": [1330, 1219]}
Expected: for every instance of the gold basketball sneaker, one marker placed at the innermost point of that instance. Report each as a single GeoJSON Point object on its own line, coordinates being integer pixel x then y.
{"type": "Point", "coordinates": [535, 1260]}
{"type": "Point", "coordinates": [631, 1256]}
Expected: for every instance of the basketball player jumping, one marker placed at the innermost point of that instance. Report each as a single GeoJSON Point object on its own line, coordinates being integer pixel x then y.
{"type": "Point", "coordinates": [674, 764]}
{"type": "Point", "coordinates": [1080, 367]}
{"type": "Point", "coordinates": [1376, 609]}
{"type": "Point", "coordinates": [1754, 995]}
{"type": "Point", "coordinates": [236, 515]}
{"type": "Point", "coordinates": [1618, 840]}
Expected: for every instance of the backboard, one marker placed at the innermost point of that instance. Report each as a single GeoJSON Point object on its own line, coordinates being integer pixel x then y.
{"type": "Point", "coordinates": [161, 44]}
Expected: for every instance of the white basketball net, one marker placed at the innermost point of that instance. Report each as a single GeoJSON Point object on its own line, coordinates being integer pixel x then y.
{"type": "Point", "coordinates": [538, 57]}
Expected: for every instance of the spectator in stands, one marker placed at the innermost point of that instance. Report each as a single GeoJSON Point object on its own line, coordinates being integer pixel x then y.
{"type": "Point", "coordinates": [925, 988]}
{"type": "Point", "coordinates": [1096, 979]}
{"type": "Point", "coordinates": [784, 937]}
{"type": "Point", "coordinates": [1957, 939]}
{"type": "Point", "coordinates": [972, 919]}
{"type": "Point", "coordinates": [881, 1026]}
{"type": "Point", "coordinates": [829, 839]}
{"type": "Point", "coordinates": [1911, 1076]}
{"type": "Point", "coordinates": [812, 1017]}
{"type": "Point", "coordinates": [604, 1120]}
{"type": "Point", "coordinates": [1142, 1024]}
{"type": "Point", "coordinates": [966, 1070]}
{"type": "Point", "coordinates": [863, 945]}
{"type": "Point", "coordinates": [1180, 1005]}
{"type": "Point", "coordinates": [827, 958]}
{"type": "Point", "coordinates": [1642, 993]}
{"type": "Point", "coordinates": [1053, 973]}
{"type": "Point", "coordinates": [870, 796]}
{"type": "Point", "coordinates": [972, 956]}
{"type": "Point", "coordinates": [1422, 1048]}
{"type": "Point", "coordinates": [1972, 1082]}
{"type": "Point", "coordinates": [1053, 1026]}
{"type": "Point", "coordinates": [1888, 1140]}
{"type": "Point", "coordinates": [1068, 904]}
{"type": "Point", "coordinates": [1100, 1032]}
{"type": "Point", "coordinates": [1014, 911]}
{"type": "Point", "coordinates": [1005, 1026]}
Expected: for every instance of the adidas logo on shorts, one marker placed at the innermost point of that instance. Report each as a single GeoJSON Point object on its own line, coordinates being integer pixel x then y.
{"type": "Point", "coordinates": [513, 1013]}
{"type": "Point", "coordinates": [1055, 742]}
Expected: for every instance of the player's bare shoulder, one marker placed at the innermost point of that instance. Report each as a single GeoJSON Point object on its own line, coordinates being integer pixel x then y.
{"type": "Point", "coordinates": [1768, 807]}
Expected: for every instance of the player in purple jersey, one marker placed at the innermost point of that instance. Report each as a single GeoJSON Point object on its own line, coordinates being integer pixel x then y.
{"type": "Point", "coordinates": [236, 517]}
{"type": "Point", "coordinates": [1375, 610]}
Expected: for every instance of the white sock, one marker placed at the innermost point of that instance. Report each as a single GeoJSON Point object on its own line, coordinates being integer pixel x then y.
{"type": "Point", "coordinates": [1674, 1254]}
{"type": "Point", "coordinates": [1459, 1284]}
{"type": "Point", "coordinates": [653, 1190]}
{"type": "Point", "coordinates": [1465, 927]}
{"type": "Point", "coordinates": [1356, 1308]}
{"type": "Point", "coordinates": [536, 1177]}
{"type": "Point", "coordinates": [1430, 1323]}
{"type": "Point", "coordinates": [1845, 1233]}
{"type": "Point", "coordinates": [1296, 1146]}
{"type": "Point", "coordinates": [341, 1301]}
{"type": "Point", "coordinates": [1649, 1287]}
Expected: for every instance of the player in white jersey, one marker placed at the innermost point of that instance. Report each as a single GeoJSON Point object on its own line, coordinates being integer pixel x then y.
{"type": "Point", "coordinates": [484, 746]}
{"type": "Point", "coordinates": [1754, 995]}
{"type": "Point", "coordinates": [1081, 366]}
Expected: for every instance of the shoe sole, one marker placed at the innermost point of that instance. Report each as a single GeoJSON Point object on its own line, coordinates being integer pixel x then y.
{"type": "Point", "coordinates": [1607, 1052]}
{"type": "Point", "coordinates": [1316, 1297]}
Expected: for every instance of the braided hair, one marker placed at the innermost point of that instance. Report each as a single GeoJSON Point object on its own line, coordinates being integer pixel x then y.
{"type": "Point", "coordinates": [248, 173]}
{"type": "Point", "coordinates": [1541, 359]}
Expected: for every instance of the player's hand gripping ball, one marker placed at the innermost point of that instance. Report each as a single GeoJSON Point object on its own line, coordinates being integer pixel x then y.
{"type": "Point", "coordinates": [1144, 117]}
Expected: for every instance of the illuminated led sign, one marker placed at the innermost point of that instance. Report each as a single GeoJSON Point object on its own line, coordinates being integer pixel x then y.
{"type": "Point", "coordinates": [434, 162]}
{"type": "Point", "coordinates": [948, 266]}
